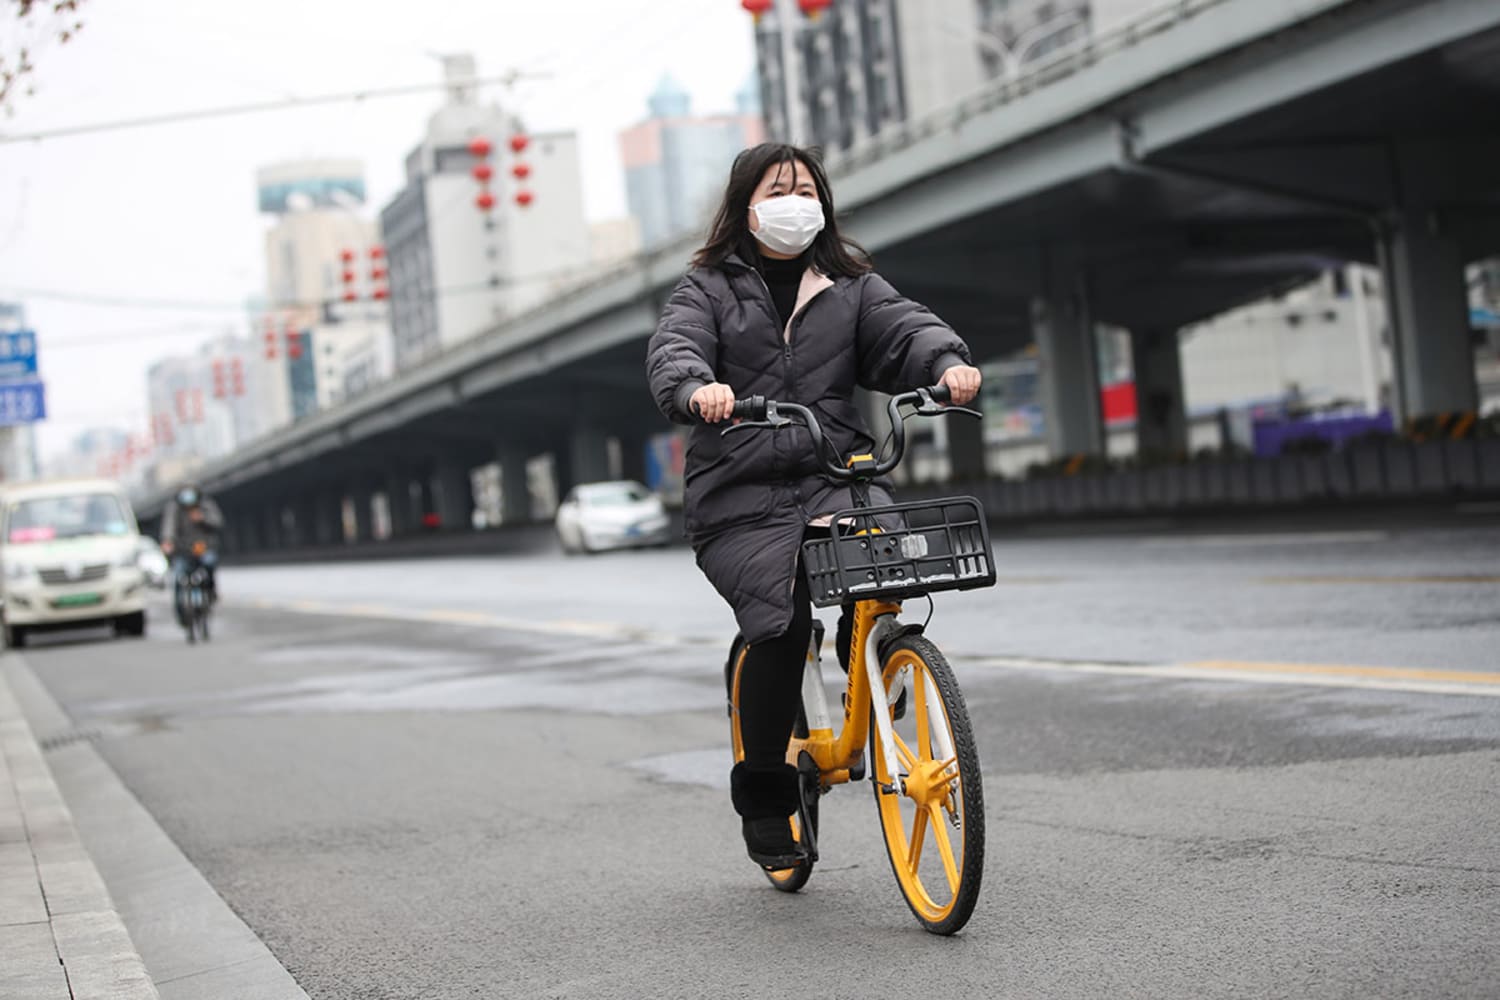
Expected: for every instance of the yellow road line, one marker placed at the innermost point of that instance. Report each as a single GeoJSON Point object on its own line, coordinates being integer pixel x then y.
{"type": "Point", "coordinates": [1420, 680]}
{"type": "Point", "coordinates": [1425, 578]}
{"type": "Point", "coordinates": [1340, 670]}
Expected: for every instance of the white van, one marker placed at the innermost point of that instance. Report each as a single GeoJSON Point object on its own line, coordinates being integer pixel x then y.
{"type": "Point", "coordinates": [69, 557]}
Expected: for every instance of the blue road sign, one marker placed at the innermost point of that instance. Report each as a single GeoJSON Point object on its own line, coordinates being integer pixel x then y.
{"type": "Point", "coordinates": [17, 354]}
{"type": "Point", "coordinates": [22, 403]}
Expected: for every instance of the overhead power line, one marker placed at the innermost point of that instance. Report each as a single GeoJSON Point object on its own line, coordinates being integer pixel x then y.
{"type": "Point", "coordinates": [257, 107]}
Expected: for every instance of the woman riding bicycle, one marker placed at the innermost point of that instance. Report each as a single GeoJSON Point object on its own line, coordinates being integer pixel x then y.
{"type": "Point", "coordinates": [779, 304]}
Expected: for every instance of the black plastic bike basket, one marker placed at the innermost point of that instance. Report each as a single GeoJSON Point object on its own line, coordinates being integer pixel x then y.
{"type": "Point", "coordinates": [899, 551]}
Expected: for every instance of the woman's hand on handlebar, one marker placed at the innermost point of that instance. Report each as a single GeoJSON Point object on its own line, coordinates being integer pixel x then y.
{"type": "Point", "coordinates": [963, 382]}
{"type": "Point", "coordinates": [713, 402]}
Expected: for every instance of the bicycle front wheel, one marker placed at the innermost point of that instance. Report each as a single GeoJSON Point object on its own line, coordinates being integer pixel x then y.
{"type": "Point", "coordinates": [934, 826]}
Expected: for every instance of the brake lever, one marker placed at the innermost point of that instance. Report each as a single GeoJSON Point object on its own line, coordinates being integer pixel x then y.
{"type": "Point", "coordinates": [938, 409]}
{"type": "Point", "coordinates": [745, 425]}
{"type": "Point", "coordinates": [774, 422]}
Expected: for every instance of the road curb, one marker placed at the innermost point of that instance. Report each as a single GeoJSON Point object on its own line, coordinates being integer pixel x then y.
{"type": "Point", "coordinates": [92, 954]}
{"type": "Point", "coordinates": [189, 939]}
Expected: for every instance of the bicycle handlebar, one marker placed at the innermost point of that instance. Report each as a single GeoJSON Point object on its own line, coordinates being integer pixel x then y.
{"type": "Point", "coordinates": [759, 412]}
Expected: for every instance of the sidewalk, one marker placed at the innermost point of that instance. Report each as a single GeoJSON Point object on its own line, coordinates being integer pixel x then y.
{"type": "Point", "coordinates": [60, 936]}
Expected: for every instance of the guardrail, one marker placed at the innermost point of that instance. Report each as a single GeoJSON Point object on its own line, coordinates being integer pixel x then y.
{"type": "Point", "coordinates": [1387, 472]}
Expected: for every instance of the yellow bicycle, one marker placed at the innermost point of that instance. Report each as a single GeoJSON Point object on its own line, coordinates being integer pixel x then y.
{"type": "Point", "coordinates": [901, 698]}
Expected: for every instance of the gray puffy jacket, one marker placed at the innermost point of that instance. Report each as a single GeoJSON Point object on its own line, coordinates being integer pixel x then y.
{"type": "Point", "coordinates": [749, 497]}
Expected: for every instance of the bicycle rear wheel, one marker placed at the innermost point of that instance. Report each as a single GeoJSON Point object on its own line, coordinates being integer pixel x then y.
{"type": "Point", "coordinates": [934, 827]}
{"type": "Point", "coordinates": [805, 820]}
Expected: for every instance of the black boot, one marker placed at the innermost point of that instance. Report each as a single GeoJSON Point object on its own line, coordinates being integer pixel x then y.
{"type": "Point", "coordinates": [766, 798]}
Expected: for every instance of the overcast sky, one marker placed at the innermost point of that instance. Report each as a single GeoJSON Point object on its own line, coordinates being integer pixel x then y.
{"type": "Point", "coordinates": [168, 213]}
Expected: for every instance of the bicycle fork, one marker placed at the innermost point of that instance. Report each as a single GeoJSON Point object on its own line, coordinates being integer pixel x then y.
{"type": "Point", "coordinates": [885, 732]}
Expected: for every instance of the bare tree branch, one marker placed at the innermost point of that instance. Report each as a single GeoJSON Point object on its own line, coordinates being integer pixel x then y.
{"type": "Point", "coordinates": [27, 27]}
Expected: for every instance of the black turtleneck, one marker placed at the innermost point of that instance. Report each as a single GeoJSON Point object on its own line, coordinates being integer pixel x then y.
{"type": "Point", "coordinates": [783, 278]}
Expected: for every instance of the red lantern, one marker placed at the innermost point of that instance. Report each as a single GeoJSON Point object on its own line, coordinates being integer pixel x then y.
{"type": "Point", "coordinates": [346, 255]}
{"type": "Point", "coordinates": [518, 143]}
{"type": "Point", "coordinates": [237, 377]}
{"type": "Point", "coordinates": [480, 146]}
{"type": "Point", "coordinates": [351, 296]}
{"type": "Point", "coordinates": [271, 342]}
{"type": "Point", "coordinates": [220, 389]}
{"type": "Point", "coordinates": [524, 198]}
{"type": "Point", "coordinates": [348, 277]}
{"type": "Point", "coordinates": [377, 252]}
{"type": "Point", "coordinates": [376, 273]}
{"type": "Point", "coordinates": [757, 8]}
{"type": "Point", "coordinates": [485, 201]}
{"type": "Point", "coordinates": [812, 8]}
{"type": "Point", "coordinates": [483, 172]}
{"type": "Point", "coordinates": [521, 171]}
{"type": "Point", "coordinates": [294, 347]}
{"type": "Point", "coordinates": [382, 293]}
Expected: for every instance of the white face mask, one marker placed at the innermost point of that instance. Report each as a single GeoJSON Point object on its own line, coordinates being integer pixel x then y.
{"type": "Point", "coordinates": [788, 224]}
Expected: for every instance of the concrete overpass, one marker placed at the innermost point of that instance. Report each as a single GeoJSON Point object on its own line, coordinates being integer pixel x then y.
{"type": "Point", "coordinates": [1203, 157]}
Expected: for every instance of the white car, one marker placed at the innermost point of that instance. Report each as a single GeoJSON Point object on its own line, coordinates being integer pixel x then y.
{"type": "Point", "coordinates": [154, 563]}
{"type": "Point", "coordinates": [70, 557]}
{"type": "Point", "coordinates": [613, 515]}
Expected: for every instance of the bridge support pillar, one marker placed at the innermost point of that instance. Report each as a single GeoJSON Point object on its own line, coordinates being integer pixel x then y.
{"type": "Point", "coordinates": [966, 450]}
{"type": "Point", "coordinates": [1064, 333]}
{"type": "Point", "coordinates": [1424, 278]}
{"type": "Point", "coordinates": [425, 498]}
{"type": "Point", "coordinates": [1161, 417]}
{"type": "Point", "coordinates": [515, 485]}
{"type": "Point", "coordinates": [632, 443]}
{"type": "Point", "coordinates": [304, 518]}
{"type": "Point", "coordinates": [398, 499]}
{"type": "Point", "coordinates": [270, 521]}
{"type": "Point", "coordinates": [328, 514]}
{"type": "Point", "coordinates": [361, 501]}
{"type": "Point", "coordinates": [453, 496]}
{"type": "Point", "coordinates": [583, 458]}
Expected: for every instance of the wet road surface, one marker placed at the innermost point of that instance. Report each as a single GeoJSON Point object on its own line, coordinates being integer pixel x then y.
{"type": "Point", "coordinates": [485, 778]}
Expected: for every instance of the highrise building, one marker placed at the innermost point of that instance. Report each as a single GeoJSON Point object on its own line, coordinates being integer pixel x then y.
{"type": "Point", "coordinates": [326, 283]}
{"type": "Point", "coordinates": [489, 224]}
{"type": "Point", "coordinates": [676, 162]}
{"type": "Point", "coordinates": [863, 65]}
{"type": "Point", "coordinates": [89, 454]}
{"type": "Point", "coordinates": [189, 425]}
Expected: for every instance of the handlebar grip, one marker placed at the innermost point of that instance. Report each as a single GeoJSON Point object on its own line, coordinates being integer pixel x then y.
{"type": "Point", "coordinates": [753, 408]}
{"type": "Point", "coordinates": [940, 393]}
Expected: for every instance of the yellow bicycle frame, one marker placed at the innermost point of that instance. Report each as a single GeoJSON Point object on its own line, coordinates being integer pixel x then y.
{"type": "Point", "coordinates": [834, 753]}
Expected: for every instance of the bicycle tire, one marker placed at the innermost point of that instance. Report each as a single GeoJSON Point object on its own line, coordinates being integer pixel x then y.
{"type": "Point", "coordinates": [939, 794]}
{"type": "Point", "coordinates": [783, 879]}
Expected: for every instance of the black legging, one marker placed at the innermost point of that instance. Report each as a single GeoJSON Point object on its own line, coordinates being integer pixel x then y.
{"type": "Point", "coordinates": [771, 684]}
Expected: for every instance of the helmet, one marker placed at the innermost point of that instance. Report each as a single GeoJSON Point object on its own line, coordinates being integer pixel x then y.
{"type": "Point", "coordinates": [189, 496]}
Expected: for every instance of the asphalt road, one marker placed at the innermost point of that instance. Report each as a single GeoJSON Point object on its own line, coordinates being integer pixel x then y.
{"type": "Point", "coordinates": [1215, 766]}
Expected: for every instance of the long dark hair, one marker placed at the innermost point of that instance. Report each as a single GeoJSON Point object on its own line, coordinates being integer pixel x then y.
{"type": "Point", "coordinates": [830, 254]}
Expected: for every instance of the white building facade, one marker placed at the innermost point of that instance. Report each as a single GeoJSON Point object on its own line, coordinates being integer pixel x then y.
{"type": "Point", "coordinates": [484, 230]}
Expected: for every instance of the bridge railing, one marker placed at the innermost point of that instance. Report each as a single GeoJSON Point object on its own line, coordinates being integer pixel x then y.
{"type": "Point", "coordinates": [1063, 62]}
